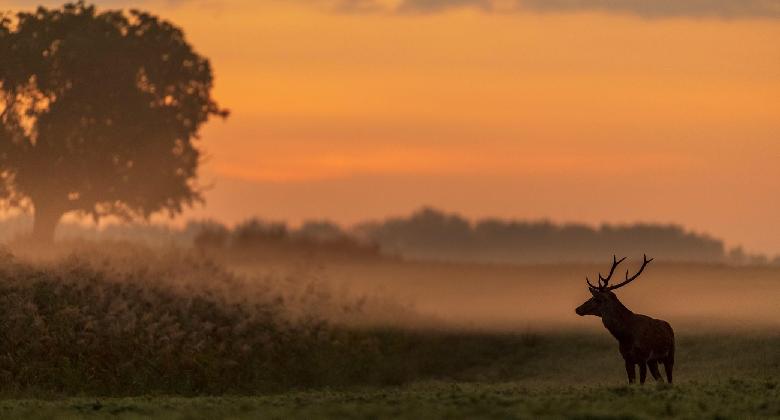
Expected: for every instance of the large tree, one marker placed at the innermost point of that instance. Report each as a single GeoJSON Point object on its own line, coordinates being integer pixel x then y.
{"type": "Point", "coordinates": [99, 111]}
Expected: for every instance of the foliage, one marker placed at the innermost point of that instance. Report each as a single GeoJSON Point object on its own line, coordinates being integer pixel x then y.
{"type": "Point", "coordinates": [99, 113]}
{"type": "Point", "coordinates": [432, 234]}
{"type": "Point", "coordinates": [254, 238]}
{"type": "Point", "coordinates": [136, 322]}
{"type": "Point", "coordinates": [175, 324]}
{"type": "Point", "coordinates": [425, 235]}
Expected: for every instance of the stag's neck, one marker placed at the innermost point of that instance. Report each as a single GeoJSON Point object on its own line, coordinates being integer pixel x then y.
{"type": "Point", "coordinates": [616, 319]}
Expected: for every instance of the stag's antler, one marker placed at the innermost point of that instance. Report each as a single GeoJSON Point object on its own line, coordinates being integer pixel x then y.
{"type": "Point", "coordinates": [630, 279]}
{"type": "Point", "coordinates": [605, 281]}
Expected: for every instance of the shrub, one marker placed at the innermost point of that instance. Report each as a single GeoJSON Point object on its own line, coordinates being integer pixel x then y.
{"type": "Point", "coordinates": [114, 319]}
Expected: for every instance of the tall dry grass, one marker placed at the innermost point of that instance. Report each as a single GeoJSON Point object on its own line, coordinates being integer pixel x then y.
{"type": "Point", "coordinates": [128, 320]}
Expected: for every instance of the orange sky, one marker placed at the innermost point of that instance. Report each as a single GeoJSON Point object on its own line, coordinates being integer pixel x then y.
{"type": "Point", "coordinates": [588, 116]}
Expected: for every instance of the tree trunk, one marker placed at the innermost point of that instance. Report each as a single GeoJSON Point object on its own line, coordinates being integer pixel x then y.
{"type": "Point", "coordinates": [45, 221]}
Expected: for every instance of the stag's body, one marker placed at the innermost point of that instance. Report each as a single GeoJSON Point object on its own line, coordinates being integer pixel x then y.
{"type": "Point", "coordinates": [644, 341]}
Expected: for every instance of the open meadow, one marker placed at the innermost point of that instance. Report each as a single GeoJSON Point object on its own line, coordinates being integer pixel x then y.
{"type": "Point", "coordinates": [695, 400]}
{"type": "Point", "coordinates": [134, 333]}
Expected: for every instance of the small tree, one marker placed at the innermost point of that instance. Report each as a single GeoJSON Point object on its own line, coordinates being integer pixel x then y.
{"type": "Point", "coordinates": [98, 114]}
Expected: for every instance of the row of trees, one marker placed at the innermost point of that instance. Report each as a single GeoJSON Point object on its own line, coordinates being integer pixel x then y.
{"type": "Point", "coordinates": [257, 238]}
{"type": "Point", "coordinates": [428, 234]}
{"type": "Point", "coordinates": [432, 234]}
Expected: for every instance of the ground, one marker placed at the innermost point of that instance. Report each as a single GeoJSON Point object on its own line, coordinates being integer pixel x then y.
{"type": "Point", "coordinates": [732, 398]}
{"type": "Point", "coordinates": [90, 339]}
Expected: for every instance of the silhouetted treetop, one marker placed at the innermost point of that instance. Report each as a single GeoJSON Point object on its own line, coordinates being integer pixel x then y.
{"type": "Point", "coordinates": [99, 113]}
{"type": "Point", "coordinates": [432, 234]}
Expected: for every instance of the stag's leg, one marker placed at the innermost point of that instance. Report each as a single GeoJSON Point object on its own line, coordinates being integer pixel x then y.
{"type": "Point", "coordinates": [630, 371]}
{"type": "Point", "coordinates": [653, 366]}
{"type": "Point", "coordinates": [668, 366]}
{"type": "Point", "coordinates": [642, 372]}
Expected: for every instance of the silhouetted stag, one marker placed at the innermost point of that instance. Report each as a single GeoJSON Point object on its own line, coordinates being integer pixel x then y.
{"type": "Point", "coordinates": [644, 341]}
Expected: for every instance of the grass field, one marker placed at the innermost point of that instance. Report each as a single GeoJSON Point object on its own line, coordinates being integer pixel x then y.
{"type": "Point", "coordinates": [737, 399]}
{"type": "Point", "coordinates": [148, 335]}
{"type": "Point", "coordinates": [470, 375]}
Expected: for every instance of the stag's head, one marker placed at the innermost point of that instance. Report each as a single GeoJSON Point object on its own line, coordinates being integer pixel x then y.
{"type": "Point", "coordinates": [602, 294]}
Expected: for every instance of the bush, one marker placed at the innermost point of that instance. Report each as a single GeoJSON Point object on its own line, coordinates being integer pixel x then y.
{"type": "Point", "coordinates": [138, 323]}
{"type": "Point", "coordinates": [115, 319]}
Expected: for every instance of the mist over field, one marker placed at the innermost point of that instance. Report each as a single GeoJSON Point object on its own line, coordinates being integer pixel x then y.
{"type": "Point", "coordinates": [427, 234]}
{"type": "Point", "coordinates": [118, 319]}
{"type": "Point", "coordinates": [413, 304]}
{"type": "Point", "coordinates": [115, 318]}
{"type": "Point", "coordinates": [539, 297]}
{"type": "Point", "coordinates": [420, 271]}
{"type": "Point", "coordinates": [439, 268]}
{"type": "Point", "coordinates": [435, 267]}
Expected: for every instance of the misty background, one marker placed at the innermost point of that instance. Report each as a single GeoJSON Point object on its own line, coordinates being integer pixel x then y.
{"type": "Point", "coordinates": [427, 234]}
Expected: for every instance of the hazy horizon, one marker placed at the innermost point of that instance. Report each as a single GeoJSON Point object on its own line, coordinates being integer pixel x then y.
{"type": "Point", "coordinates": [353, 110]}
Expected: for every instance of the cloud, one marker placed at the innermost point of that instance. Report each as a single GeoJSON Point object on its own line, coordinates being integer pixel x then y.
{"type": "Point", "coordinates": [358, 6]}
{"type": "Point", "coordinates": [108, 4]}
{"type": "Point", "coordinates": [649, 9]}
{"type": "Point", "coordinates": [433, 6]}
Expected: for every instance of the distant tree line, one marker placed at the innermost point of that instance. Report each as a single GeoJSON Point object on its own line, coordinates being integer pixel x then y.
{"type": "Point", "coordinates": [430, 234]}
{"type": "Point", "coordinates": [427, 234]}
{"type": "Point", "coordinates": [258, 238]}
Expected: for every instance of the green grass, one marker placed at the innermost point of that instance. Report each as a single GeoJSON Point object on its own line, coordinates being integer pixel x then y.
{"type": "Point", "coordinates": [460, 375]}
{"type": "Point", "coordinates": [736, 399]}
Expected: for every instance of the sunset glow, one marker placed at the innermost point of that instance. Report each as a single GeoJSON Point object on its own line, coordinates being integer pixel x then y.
{"type": "Point", "coordinates": [583, 116]}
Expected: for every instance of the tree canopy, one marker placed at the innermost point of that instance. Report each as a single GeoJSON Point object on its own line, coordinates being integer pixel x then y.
{"type": "Point", "coordinates": [99, 113]}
